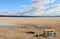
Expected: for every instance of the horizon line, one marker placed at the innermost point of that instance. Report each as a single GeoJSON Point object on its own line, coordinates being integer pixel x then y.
{"type": "Point", "coordinates": [25, 16]}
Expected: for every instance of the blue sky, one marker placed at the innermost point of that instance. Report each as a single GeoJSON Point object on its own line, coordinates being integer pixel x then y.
{"type": "Point", "coordinates": [14, 5]}
{"type": "Point", "coordinates": [54, 3]}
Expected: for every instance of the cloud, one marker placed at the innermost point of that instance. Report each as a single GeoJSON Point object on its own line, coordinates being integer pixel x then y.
{"type": "Point", "coordinates": [6, 12]}
{"type": "Point", "coordinates": [38, 9]}
{"type": "Point", "coordinates": [54, 11]}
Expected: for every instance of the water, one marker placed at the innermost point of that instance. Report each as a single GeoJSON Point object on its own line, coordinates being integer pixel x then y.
{"type": "Point", "coordinates": [2, 23]}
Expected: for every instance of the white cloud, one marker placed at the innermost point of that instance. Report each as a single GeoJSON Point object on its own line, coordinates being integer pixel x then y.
{"type": "Point", "coordinates": [6, 12]}
{"type": "Point", "coordinates": [54, 11]}
{"type": "Point", "coordinates": [38, 9]}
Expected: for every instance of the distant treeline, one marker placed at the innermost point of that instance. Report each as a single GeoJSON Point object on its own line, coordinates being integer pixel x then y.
{"type": "Point", "coordinates": [25, 16]}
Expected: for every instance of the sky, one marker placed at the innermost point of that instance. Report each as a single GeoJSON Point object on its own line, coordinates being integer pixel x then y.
{"type": "Point", "coordinates": [13, 5]}
{"type": "Point", "coordinates": [54, 3]}
{"type": "Point", "coordinates": [24, 7]}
